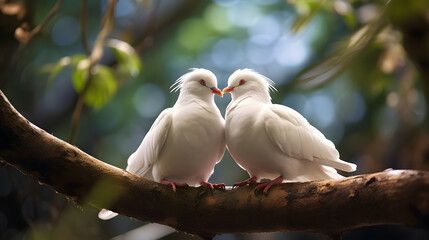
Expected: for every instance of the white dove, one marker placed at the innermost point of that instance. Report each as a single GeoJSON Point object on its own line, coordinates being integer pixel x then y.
{"type": "Point", "coordinates": [272, 141]}
{"type": "Point", "coordinates": [186, 141]}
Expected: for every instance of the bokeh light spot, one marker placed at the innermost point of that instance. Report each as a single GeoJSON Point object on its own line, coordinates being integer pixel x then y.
{"type": "Point", "coordinates": [268, 27]}
{"type": "Point", "coordinates": [65, 31]}
{"type": "Point", "coordinates": [192, 33]}
{"type": "Point", "coordinates": [243, 14]}
{"type": "Point", "coordinates": [258, 51]}
{"type": "Point", "coordinates": [320, 110]}
{"type": "Point", "coordinates": [291, 52]}
{"type": "Point", "coordinates": [217, 18]}
{"type": "Point", "coordinates": [226, 3]}
{"type": "Point", "coordinates": [124, 8]}
{"type": "Point", "coordinates": [149, 100]}
{"type": "Point", "coordinates": [226, 52]}
{"type": "Point", "coordinates": [266, 2]}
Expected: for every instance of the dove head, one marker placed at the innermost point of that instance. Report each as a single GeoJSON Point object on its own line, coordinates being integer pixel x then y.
{"type": "Point", "coordinates": [200, 83]}
{"type": "Point", "coordinates": [244, 82]}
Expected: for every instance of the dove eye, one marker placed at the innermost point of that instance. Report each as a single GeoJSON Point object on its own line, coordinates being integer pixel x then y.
{"type": "Point", "coordinates": [202, 82]}
{"type": "Point", "coordinates": [242, 81]}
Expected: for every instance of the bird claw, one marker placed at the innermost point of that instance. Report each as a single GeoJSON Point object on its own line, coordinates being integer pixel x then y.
{"type": "Point", "coordinates": [213, 186]}
{"type": "Point", "coordinates": [248, 181]}
{"type": "Point", "coordinates": [174, 184]}
{"type": "Point", "coordinates": [219, 186]}
{"type": "Point", "coordinates": [267, 185]}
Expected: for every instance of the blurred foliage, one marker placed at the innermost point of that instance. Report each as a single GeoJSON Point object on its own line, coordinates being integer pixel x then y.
{"type": "Point", "coordinates": [348, 66]}
{"type": "Point", "coordinates": [128, 61]}
{"type": "Point", "coordinates": [104, 80]}
{"type": "Point", "coordinates": [100, 89]}
{"type": "Point", "coordinates": [307, 9]}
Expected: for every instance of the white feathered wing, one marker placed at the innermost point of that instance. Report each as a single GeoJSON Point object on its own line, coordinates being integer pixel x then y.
{"type": "Point", "coordinates": [148, 151]}
{"type": "Point", "coordinates": [296, 138]}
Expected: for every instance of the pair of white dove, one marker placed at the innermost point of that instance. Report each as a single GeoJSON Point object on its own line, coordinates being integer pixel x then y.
{"type": "Point", "coordinates": [269, 141]}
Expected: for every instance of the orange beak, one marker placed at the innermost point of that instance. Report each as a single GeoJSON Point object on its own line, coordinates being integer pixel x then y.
{"type": "Point", "coordinates": [217, 91]}
{"type": "Point", "coordinates": [227, 89]}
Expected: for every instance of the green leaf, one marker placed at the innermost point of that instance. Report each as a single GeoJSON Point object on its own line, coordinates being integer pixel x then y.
{"type": "Point", "coordinates": [55, 68]}
{"type": "Point", "coordinates": [75, 59]}
{"type": "Point", "coordinates": [128, 60]}
{"type": "Point", "coordinates": [101, 88]}
{"type": "Point", "coordinates": [80, 74]}
{"type": "Point", "coordinates": [102, 83]}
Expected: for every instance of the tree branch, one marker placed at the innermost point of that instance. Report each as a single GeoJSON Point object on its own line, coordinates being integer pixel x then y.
{"type": "Point", "coordinates": [331, 207]}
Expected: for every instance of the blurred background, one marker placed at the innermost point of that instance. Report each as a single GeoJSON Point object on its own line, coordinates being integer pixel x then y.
{"type": "Point", "coordinates": [356, 69]}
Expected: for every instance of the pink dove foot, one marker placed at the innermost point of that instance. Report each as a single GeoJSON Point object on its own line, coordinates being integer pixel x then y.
{"type": "Point", "coordinates": [248, 181]}
{"type": "Point", "coordinates": [267, 185]}
{"type": "Point", "coordinates": [212, 186]}
{"type": "Point", "coordinates": [174, 184]}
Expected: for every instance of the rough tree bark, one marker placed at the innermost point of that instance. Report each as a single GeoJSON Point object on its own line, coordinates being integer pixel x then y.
{"type": "Point", "coordinates": [331, 207]}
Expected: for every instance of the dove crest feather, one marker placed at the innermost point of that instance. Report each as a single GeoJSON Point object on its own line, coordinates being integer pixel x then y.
{"type": "Point", "coordinates": [251, 72]}
{"type": "Point", "coordinates": [177, 85]}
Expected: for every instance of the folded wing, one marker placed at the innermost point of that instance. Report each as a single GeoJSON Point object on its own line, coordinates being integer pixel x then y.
{"type": "Point", "coordinates": [141, 161]}
{"type": "Point", "coordinates": [296, 138]}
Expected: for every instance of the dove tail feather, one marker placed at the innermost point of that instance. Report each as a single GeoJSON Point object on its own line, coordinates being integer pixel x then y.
{"type": "Point", "coordinates": [337, 164]}
{"type": "Point", "coordinates": [105, 214]}
{"type": "Point", "coordinates": [325, 173]}
{"type": "Point", "coordinates": [331, 173]}
{"type": "Point", "coordinates": [317, 173]}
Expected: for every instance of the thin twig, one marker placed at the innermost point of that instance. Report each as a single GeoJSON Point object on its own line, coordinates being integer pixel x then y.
{"type": "Point", "coordinates": [39, 27]}
{"type": "Point", "coordinates": [107, 25]}
{"type": "Point", "coordinates": [150, 25]}
{"type": "Point", "coordinates": [55, 9]}
{"type": "Point", "coordinates": [80, 102]}
{"type": "Point", "coordinates": [25, 38]}
{"type": "Point", "coordinates": [79, 105]}
{"type": "Point", "coordinates": [83, 26]}
{"type": "Point", "coordinates": [94, 58]}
